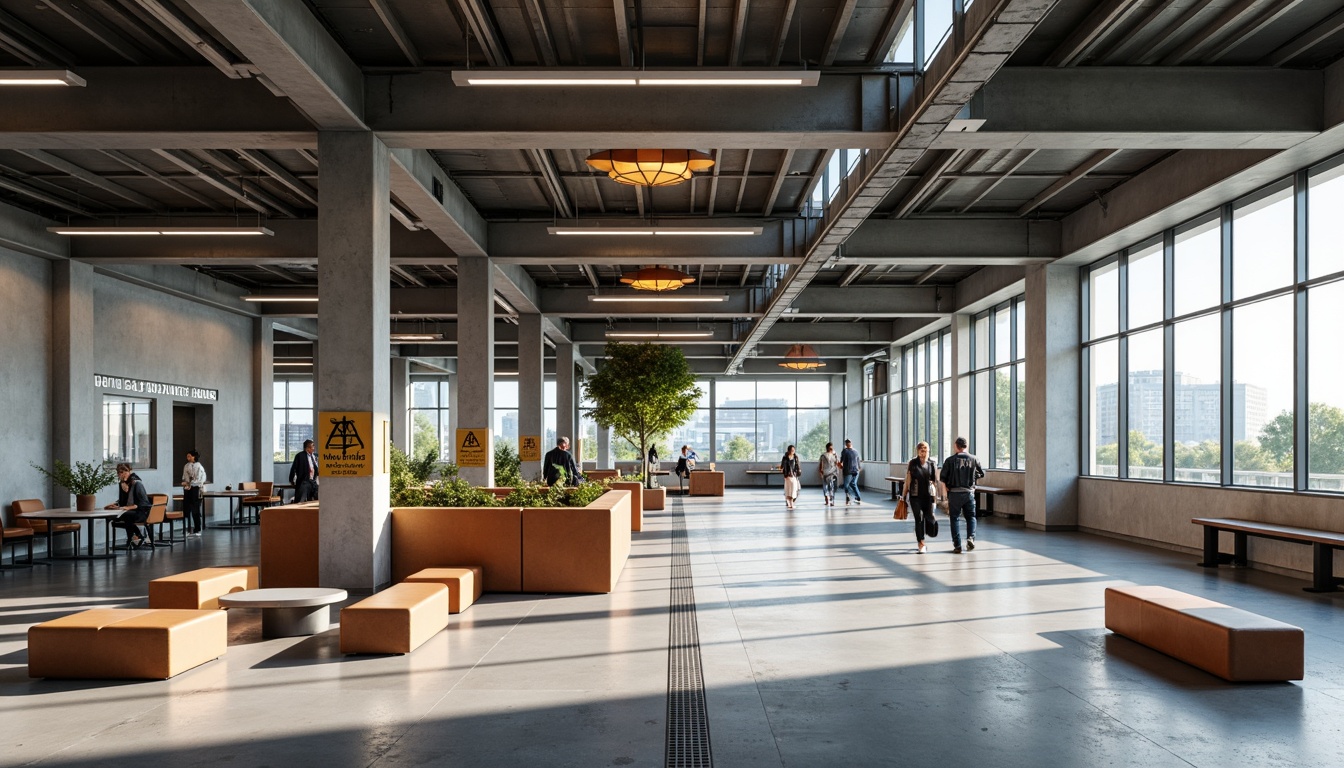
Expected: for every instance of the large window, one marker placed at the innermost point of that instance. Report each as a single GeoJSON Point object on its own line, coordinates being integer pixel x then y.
{"type": "Point", "coordinates": [1208, 324]}
{"type": "Point", "coordinates": [757, 420]}
{"type": "Point", "coordinates": [998, 386]}
{"type": "Point", "coordinates": [128, 431]}
{"type": "Point", "coordinates": [429, 418]}
{"type": "Point", "coordinates": [876, 382]}
{"type": "Point", "coordinates": [293, 417]}
{"type": "Point", "coordinates": [506, 412]}
{"type": "Point", "coordinates": [924, 411]}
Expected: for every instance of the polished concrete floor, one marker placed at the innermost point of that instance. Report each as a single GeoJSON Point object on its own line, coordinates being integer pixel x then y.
{"type": "Point", "coordinates": [825, 640]}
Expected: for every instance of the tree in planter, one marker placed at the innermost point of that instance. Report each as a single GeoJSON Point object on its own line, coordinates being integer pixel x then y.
{"type": "Point", "coordinates": [642, 392]}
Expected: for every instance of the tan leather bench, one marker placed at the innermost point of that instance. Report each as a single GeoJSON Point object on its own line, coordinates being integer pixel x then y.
{"type": "Point", "coordinates": [289, 546]}
{"type": "Point", "coordinates": [1228, 642]}
{"type": "Point", "coordinates": [706, 483]}
{"type": "Point", "coordinates": [397, 620]}
{"type": "Point", "coordinates": [464, 584]}
{"type": "Point", "coordinates": [201, 589]}
{"type": "Point", "coordinates": [126, 643]}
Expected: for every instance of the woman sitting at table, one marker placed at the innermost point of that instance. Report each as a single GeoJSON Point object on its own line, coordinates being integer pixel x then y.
{"type": "Point", "coordinates": [134, 501]}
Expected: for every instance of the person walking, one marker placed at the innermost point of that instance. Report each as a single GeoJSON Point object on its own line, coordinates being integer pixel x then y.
{"type": "Point", "coordinates": [829, 468]}
{"type": "Point", "coordinates": [193, 485]}
{"type": "Point", "coordinates": [559, 459]}
{"type": "Point", "coordinates": [921, 484]}
{"type": "Point", "coordinates": [791, 470]}
{"type": "Point", "coordinates": [303, 473]}
{"type": "Point", "coordinates": [958, 476]}
{"type": "Point", "coordinates": [850, 464]}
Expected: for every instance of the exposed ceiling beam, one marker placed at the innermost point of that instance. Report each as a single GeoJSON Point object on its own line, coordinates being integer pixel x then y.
{"type": "Point", "coordinates": [193, 166]}
{"type": "Point", "coordinates": [780, 175]}
{"type": "Point", "coordinates": [267, 165]}
{"type": "Point", "coordinates": [900, 12]}
{"type": "Point", "coordinates": [782, 32]}
{"type": "Point", "coordinates": [1105, 18]}
{"type": "Point", "coordinates": [1007, 172]}
{"type": "Point", "coordinates": [1075, 176]}
{"type": "Point", "coordinates": [399, 36]}
{"type": "Point", "coordinates": [480, 20]}
{"type": "Point", "coordinates": [927, 183]}
{"type": "Point", "coordinates": [31, 44]}
{"type": "Point", "coordinates": [1307, 40]}
{"type": "Point", "coordinates": [173, 184]}
{"type": "Point", "coordinates": [839, 26]}
{"type": "Point", "coordinates": [92, 179]}
{"type": "Point", "coordinates": [190, 33]}
{"type": "Point", "coordinates": [1231, 18]}
{"type": "Point", "coordinates": [80, 16]}
{"type": "Point", "coordinates": [1190, 14]}
{"type": "Point", "coordinates": [541, 33]}
{"type": "Point", "coordinates": [57, 201]}
{"type": "Point", "coordinates": [1234, 41]}
{"type": "Point", "coordinates": [622, 24]}
{"type": "Point", "coordinates": [739, 28]}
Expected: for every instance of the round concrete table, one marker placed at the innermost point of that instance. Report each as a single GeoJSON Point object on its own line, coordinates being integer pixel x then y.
{"type": "Point", "coordinates": [290, 612]}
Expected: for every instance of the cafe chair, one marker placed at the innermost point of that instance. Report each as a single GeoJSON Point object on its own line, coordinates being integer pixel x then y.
{"type": "Point", "coordinates": [40, 526]}
{"type": "Point", "coordinates": [171, 516]}
{"type": "Point", "coordinates": [158, 515]}
{"type": "Point", "coordinates": [16, 536]}
{"type": "Point", "coordinates": [252, 505]}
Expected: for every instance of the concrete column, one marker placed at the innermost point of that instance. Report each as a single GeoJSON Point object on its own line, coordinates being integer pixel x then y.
{"type": "Point", "coordinates": [400, 387]}
{"type": "Point", "coordinates": [604, 448]}
{"type": "Point", "coordinates": [476, 361]}
{"type": "Point", "coordinates": [566, 398]}
{"type": "Point", "coordinates": [961, 381]}
{"type": "Point", "coordinates": [531, 375]}
{"type": "Point", "coordinates": [354, 539]}
{"type": "Point", "coordinates": [1053, 400]}
{"type": "Point", "coordinates": [74, 401]}
{"type": "Point", "coordinates": [263, 394]}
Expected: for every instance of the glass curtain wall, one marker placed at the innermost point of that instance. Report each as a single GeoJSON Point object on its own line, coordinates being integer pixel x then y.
{"type": "Point", "coordinates": [292, 419]}
{"type": "Point", "coordinates": [876, 383]}
{"type": "Point", "coordinates": [923, 403]}
{"type": "Point", "coordinates": [1225, 330]}
{"type": "Point", "coordinates": [429, 418]}
{"type": "Point", "coordinates": [998, 386]}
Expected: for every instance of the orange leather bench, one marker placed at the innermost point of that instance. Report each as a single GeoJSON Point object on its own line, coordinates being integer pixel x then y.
{"type": "Point", "coordinates": [126, 643]}
{"type": "Point", "coordinates": [397, 620]}
{"type": "Point", "coordinates": [464, 584]}
{"type": "Point", "coordinates": [1228, 642]}
{"type": "Point", "coordinates": [201, 589]}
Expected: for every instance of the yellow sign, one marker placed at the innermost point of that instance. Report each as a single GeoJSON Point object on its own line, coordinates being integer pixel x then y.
{"type": "Point", "coordinates": [473, 447]}
{"type": "Point", "coordinates": [344, 443]}
{"type": "Point", "coordinates": [529, 448]}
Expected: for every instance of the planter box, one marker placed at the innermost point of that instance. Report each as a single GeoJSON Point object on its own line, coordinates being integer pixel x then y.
{"type": "Point", "coordinates": [598, 475]}
{"type": "Point", "coordinates": [655, 498]}
{"type": "Point", "coordinates": [636, 502]}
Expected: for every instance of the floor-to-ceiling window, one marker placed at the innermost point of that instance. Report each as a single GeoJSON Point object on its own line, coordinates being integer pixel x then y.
{"type": "Point", "coordinates": [429, 417]}
{"type": "Point", "coordinates": [1223, 328]}
{"type": "Point", "coordinates": [293, 417]}
{"type": "Point", "coordinates": [923, 400]}
{"type": "Point", "coordinates": [757, 420]}
{"type": "Point", "coordinates": [876, 420]}
{"type": "Point", "coordinates": [998, 386]}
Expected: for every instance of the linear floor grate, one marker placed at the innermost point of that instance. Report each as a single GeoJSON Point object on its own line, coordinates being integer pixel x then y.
{"type": "Point", "coordinates": [687, 715]}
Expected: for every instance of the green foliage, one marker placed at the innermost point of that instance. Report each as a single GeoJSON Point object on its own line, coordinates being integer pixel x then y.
{"type": "Point", "coordinates": [535, 495]}
{"type": "Point", "coordinates": [84, 479]}
{"type": "Point", "coordinates": [1325, 439]}
{"type": "Point", "coordinates": [738, 448]}
{"type": "Point", "coordinates": [456, 492]}
{"type": "Point", "coordinates": [812, 444]}
{"type": "Point", "coordinates": [424, 437]}
{"type": "Point", "coordinates": [584, 494]}
{"type": "Point", "coordinates": [508, 467]}
{"type": "Point", "coordinates": [642, 392]}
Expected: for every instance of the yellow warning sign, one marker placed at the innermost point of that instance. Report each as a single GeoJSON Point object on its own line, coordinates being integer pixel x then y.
{"type": "Point", "coordinates": [529, 448]}
{"type": "Point", "coordinates": [343, 443]}
{"type": "Point", "coordinates": [473, 447]}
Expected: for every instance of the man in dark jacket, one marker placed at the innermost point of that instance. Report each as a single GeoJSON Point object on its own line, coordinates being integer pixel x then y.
{"type": "Point", "coordinates": [850, 464]}
{"type": "Point", "coordinates": [560, 459]}
{"type": "Point", "coordinates": [303, 474]}
{"type": "Point", "coordinates": [958, 476]}
{"type": "Point", "coordinates": [134, 502]}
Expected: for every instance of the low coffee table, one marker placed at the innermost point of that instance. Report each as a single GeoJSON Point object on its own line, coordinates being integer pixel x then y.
{"type": "Point", "coordinates": [290, 612]}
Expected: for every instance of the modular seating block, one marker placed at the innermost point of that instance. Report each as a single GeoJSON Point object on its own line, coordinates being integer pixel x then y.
{"type": "Point", "coordinates": [201, 589]}
{"type": "Point", "coordinates": [289, 546]}
{"type": "Point", "coordinates": [1233, 644]}
{"type": "Point", "coordinates": [706, 483]}
{"type": "Point", "coordinates": [464, 584]}
{"type": "Point", "coordinates": [636, 503]}
{"type": "Point", "coordinates": [654, 498]}
{"type": "Point", "coordinates": [397, 620]}
{"type": "Point", "coordinates": [126, 643]}
{"type": "Point", "coordinates": [439, 537]}
{"type": "Point", "coordinates": [576, 549]}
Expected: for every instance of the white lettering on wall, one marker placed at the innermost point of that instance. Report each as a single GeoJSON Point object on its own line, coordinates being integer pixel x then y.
{"type": "Point", "coordinates": [147, 387]}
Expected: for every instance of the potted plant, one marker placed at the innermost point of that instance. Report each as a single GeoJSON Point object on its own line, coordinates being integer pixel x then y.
{"type": "Point", "coordinates": [642, 392]}
{"type": "Point", "coordinates": [85, 480]}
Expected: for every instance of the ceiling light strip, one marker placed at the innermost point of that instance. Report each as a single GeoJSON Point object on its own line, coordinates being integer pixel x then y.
{"type": "Point", "coordinates": [659, 334]}
{"type": "Point", "coordinates": [666, 78]}
{"type": "Point", "coordinates": [40, 77]}
{"type": "Point", "coordinates": [172, 231]}
{"type": "Point", "coordinates": [656, 231]}
{"type": "Point", "coordinates": [696, 298]}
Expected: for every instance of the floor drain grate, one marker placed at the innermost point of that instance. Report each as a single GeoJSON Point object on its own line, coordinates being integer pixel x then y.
{"type": "Point", "coordinates": [687, 716]}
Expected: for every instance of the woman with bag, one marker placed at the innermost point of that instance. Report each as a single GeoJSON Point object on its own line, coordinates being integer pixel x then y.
{"type": "Point", "coordinates": [193, 485]}
{"type": "Point", "coordinates": [829, 467]}
{"type": "Point", "coordinates": [791, 470]}
{"type": "Point", "coordinates": [921, 478]}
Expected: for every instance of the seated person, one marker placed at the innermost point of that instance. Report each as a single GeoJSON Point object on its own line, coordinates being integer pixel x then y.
{"type": "Point", "coordinates": [134, 502]}
{"type": "Point", "coordinates": [686, 461]}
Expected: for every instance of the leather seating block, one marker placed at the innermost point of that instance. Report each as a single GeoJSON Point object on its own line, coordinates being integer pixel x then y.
{"type": "Point", "coordinates": [706, 483]}
{"type": "Point", "coordinates": [464, 584]}
{"type": "Point", "coordinates": [654, 498]}
{"type": "Point", "coordinates": [577, 549]}
{"type": "Point", "coordinates": [439, 537]}
{"type": "Point", "coordinates": [289, 546]}
{"type": "Point", "coordinates": [201, 589]}
{"type": "Point", "coordinates": [1231, 643]}
{"type": "Point", "coordinates": [397, 620]}
{"type": "Point", "coordinates": [126, 643]}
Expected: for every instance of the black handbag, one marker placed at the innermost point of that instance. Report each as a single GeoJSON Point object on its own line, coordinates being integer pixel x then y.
{"type": "Point", "coordinates": [931, 525]}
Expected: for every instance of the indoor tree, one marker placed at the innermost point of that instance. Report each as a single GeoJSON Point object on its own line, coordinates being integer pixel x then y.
{"type": "Point", "coordinates": [642, 392]}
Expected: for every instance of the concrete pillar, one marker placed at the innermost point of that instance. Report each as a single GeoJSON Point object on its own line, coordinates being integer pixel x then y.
{"type": "Point", "coordinates": [604, 460]}
{"type": "Point", "coordinates": [476, 362]}
{"type": "Point", "coordinates": [531, 377]}
{"type": "Point", "coordinates": [1053, 400]}
{"type": "Point", "coordinates": [74, 401]}
{"type": "Point", "coordinates": [566, 398]}
{"type": "Point", "coordinates": [263, 394]}
{"type": "Point", "coordinates": [354, 539]}
{"type": "Point", "coordinates": [961, 382]}
{"type": "Point", "coordinates": [400, 386]}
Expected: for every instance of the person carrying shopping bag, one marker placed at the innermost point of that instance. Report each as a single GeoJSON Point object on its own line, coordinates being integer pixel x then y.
{"type": "Point", "coordinates": [791, 470]}
{"type": "Point", "coordinates": [921, 479]}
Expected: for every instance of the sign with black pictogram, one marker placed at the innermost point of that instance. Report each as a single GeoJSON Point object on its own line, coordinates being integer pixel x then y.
{"type": "Point", "coordinates": [343, 443]}
{"type": "Point", "coordinates": [473, 447]}
{"type": "Point", "coordinates": [529, 448]}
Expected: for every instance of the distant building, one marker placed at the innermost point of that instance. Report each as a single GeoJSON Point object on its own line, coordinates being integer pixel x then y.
{"type": "Point", "coordinates": [1197, 409]}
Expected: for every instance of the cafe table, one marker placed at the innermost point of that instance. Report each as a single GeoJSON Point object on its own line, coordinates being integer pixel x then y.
{"type": "Point", "coordinates": [65, 515]}
{"type": "Point", "coordinates": [235, 506]}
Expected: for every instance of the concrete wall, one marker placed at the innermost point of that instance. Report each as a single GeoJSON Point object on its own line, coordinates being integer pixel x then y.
{"type": "Point", "coordinates": [1159, 515]}
{"type": "Point", "coordinates": [146, 334]}
{"type": "Point", "coordinates": [25, 376]}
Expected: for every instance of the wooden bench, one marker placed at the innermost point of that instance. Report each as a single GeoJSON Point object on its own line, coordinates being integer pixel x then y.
{"type": "Point", "coordinates": [1323, 545]}
{"type": "Point", "coordinates": [126, 643]}
{"type": "Point", "coordinates": [464, 584]}
{"type": "Point", "coordinates": [397, 620]}
{"type": "Point", "coordinates": [990, 491]}
{"type": "Point", "coordinates": [201, 589]}
{"type": "Point", "coordinates": [705, 482]}
{"type": "Point", "coordinates": [1233, 644]}
{"type": "Point", "coordinates": [769, 473]}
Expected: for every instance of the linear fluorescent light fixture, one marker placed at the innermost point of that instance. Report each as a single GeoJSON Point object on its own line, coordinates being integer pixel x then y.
{"type": "Point", "coordinates": [292, 365]}
{"type": "Point", "coordinates": [655, 231]}
{"type": "Point", "coordinates": [417, 337]}
{"type": "Point", "coordinates": [699, 298]}
{"type": "Point", "coordinates": [143, 231]}
{"type": "Point", "coordinates": [506, 373]}
{"type": "Point", "coordinates": [590, 77]}
{"type": "Point", "coordinates": [659, 334]}
{"type": "Point", "coordinates": [280, 297]}
{"type": "Point", "coordinates": [40, 77]}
